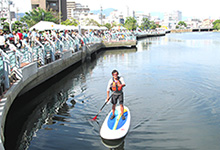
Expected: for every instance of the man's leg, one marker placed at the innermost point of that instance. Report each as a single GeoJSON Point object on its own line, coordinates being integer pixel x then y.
{"type": "Point", "coordinates": [122, 109]}
{"type": "Point", "coordinates": [121, 101]}
{"type": "Point", "coordinates": [113, 109]}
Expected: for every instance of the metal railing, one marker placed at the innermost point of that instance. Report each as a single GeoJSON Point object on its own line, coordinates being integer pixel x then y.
{"type": "Point", "coordinates": [118, 36]}
{"type": "Point", "coordinates": [43, 52]}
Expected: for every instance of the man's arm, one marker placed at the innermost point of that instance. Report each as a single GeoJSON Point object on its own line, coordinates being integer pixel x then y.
{"type": "Point", "coordinates": [108, 89]}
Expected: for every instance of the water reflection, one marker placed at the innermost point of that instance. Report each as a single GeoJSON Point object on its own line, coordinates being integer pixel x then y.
{"type": "Point", "coordinates": [44, 106]}
{"type": "Point", "coordinates": [114, 144]}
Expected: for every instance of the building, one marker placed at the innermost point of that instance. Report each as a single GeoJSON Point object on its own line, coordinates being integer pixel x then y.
{"type": "Point", "coordinates": [70, 6]}
{"type": "Point", "coordinates": [139, 16]}
{"type": "Point", "coordinates": [77, 10]}
{"type": "Point", "coordinates": [207, 23]}
{"type": "Point", "coordinates": [193, 23]}
{"type": "Point", "coordinates": [116, 16]}
{"type": "Point", "coordinates": [82, 13]}
{"type": "Point", "coordinates": [51, 4]}
{"type": "Point", "coordinates": [4, 11]}
{"type": "Point", "coordinates": [173, 16]}
{"type": "Point", "coordinates": [171, 19]}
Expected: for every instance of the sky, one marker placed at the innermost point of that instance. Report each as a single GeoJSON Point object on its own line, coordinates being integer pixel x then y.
{"type": "Point", "coordinates": [189, 8]}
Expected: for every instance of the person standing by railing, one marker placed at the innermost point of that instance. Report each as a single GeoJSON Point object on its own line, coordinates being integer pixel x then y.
{"type": "Point", "coordinates": [20, 38]}
{"type": "Point", "coordinates": [25, 34]}
{"type": "Point", "coordinates": [2, 41]}
{"type": "Point", "coordinates": [33, 36]}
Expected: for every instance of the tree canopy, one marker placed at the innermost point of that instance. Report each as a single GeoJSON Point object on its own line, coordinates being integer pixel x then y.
{"type": "Point", "coordinates": [91, 22]}
{"type": "Point", "coordinates": [108, 25]}
{"type": "Point", "coordinates": [39, 14]}
{"type": "Point", "coordinates": [4, 24]}
{"type": "Point", "coordinates": [216, 25]}
{"type": "Point", "coordinates": [130, 23]}
{"type": "Point", "coordinates": [147, 24]}
{"type": "Point", "coordinates": [17, 25]}
{"type": "Point", "coordinates": [182, 23]}
{"type": "Point", "coordinates": [72, 22]}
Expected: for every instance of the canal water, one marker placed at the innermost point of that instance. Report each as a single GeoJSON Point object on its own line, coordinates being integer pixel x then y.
{"type": "Point", "coordinates": [172, 90]}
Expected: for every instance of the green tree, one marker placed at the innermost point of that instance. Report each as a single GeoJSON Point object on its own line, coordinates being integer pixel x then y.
{"type": "Point", "coordinates": [153, 25]}
{"type": "Point", "coordinates": [72, 22]}
{"type": "Point", "coordinates": [108, 25]}
{"type": "Point", "coordinates": [39, 14]}
{"type": "Point", "coordinates": [91, 22]}
{"type": "Point", "coordinates": [182, 23]}
{"type": "Point", "coordinates": [4, 24]}
{"type": "Point", "coordinates": [130, 23]}
{"type": "Point", "coordinates": [145, 24]}
{"type": "Point", "coordinates": [216, 25]}
{"type": "Point", "coordinates": [17, 25]}
{"type": "Point", "coordinates": [114, 24]}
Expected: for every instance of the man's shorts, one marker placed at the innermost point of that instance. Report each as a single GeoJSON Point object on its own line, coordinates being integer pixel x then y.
{"type": "Point", "coordinates": [116, 97]}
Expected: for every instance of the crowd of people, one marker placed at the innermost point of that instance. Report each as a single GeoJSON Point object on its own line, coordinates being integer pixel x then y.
{"type": "Point", "coordinates": [21, 39]}
{"type": "Point", "coordinates": [27, 38]}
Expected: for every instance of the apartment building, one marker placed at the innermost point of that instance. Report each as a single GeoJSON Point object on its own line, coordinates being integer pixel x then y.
{"type": "Point", "coordinates": [56, 5]}
{"type": "Point", "coordinates": [70, 6]}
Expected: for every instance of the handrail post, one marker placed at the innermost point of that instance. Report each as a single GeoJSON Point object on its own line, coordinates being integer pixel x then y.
{"type": "Point", "coordinates": [5, 70]}
{"type": "Point", "coordinates": [52, 52]}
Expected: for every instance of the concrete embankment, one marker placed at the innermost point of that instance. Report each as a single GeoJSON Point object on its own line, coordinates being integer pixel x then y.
{"type": "Point", "coordinates": [191, 30]}
{"type": "Point", "coordinates": [180, 30]}
{"type": "Point", "coordinates": [146, 35]}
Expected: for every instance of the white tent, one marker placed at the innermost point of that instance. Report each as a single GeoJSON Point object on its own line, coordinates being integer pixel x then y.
{"type": "Point", "coordinates": [103, 28]}
{"type": "Point", "coordinates": [43, 25]}
{"type": "Point", "coordinates": [59, 27]}
{"type": "Point", "coordinates": [90, 27]}
{"type": "Point", "coordinates": [119, 28]}
{"type": "Point", "coordinates": [71, 28]}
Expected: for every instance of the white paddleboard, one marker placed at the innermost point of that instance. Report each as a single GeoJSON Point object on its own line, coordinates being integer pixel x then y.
{"type": "Point", "coordinates": [116, 128]}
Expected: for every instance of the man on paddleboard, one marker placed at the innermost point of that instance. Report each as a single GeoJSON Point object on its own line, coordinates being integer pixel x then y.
{"type": "Point", "coordinates": [116, 85]}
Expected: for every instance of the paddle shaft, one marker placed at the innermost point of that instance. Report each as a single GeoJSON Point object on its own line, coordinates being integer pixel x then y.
{"type": "Point", "coordinates": [103, 106]}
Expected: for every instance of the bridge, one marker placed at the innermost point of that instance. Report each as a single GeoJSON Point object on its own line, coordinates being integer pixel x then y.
{"type": "Point", "coordinates": [202, 29]}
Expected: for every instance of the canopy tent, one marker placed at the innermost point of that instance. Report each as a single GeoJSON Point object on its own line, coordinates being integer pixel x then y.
{"type": "Point", "coordinates": [64, 27]}
{"type": "Point", "coordinates": [118, 28]}
{"type": "Point", "coordinates": [90, 27]}
{"type": "Point", "coordinates": [103, 28]}
{"type": "Point", "coordinates": [72, 28]}
{"type": "Point", "coordinates": [60, 27]}
{"type": "Point", "coordinates": [93, 28]}
{"type": "Point", "coordinates": [43, 25]}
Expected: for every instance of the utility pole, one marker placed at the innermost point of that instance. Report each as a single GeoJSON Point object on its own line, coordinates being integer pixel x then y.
{"type": "Point", "coordinates": [60, 11]}
{"type": "Point", "coordinates": [101, 15]}
{"type": "Point", "coordinates": [127, 11]}
{"type": "Point", "coordinates": [17, 18]}
{"type": "Point", "coordinates": [1, 8]}
{"type": "Point", "coordinates": [9, 14]}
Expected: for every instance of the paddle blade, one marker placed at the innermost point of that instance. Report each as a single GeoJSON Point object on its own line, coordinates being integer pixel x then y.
{"type": "Point", "coordinates": [94, 118]}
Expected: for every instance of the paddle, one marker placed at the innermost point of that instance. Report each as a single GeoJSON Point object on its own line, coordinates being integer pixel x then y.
{"type": "Point", "coordinates": [102, 108]}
